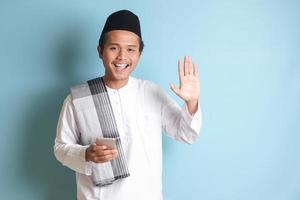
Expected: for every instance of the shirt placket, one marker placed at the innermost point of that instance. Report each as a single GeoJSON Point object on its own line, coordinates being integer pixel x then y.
{"type": "Point", "coordinates": [116, 104]}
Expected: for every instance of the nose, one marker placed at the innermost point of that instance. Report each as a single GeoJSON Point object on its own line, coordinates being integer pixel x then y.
{"type": "Point", "coordinates": [121, 54]}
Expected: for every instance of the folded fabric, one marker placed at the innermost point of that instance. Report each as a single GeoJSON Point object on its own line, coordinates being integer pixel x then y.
{"type": "Point", "coordinates": [92, 105]}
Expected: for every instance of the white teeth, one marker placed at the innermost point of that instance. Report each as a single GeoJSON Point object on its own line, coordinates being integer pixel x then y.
{"type": "Point", "coordinates": [121, 65]}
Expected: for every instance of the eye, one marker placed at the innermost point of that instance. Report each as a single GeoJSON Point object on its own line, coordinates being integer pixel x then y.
{"type": "Point", "coordinates": [113, 48]}
{"type": "Point", "coordinates": [131, 50]}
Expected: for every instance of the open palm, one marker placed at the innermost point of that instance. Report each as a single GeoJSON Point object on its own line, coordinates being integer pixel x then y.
{"type": "Point", "coordinates": [189, 88]}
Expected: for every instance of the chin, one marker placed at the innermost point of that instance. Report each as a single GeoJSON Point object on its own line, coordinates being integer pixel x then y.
{"type": "Point", "coordinates": [122, 77]}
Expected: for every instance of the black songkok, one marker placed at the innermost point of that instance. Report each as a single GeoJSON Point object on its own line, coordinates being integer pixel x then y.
{"type": "Point", "coordinates": [121, 20]}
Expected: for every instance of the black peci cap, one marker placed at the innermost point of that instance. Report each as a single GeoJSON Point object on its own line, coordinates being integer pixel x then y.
{"type": "Point", "coordinates": [121, 20]}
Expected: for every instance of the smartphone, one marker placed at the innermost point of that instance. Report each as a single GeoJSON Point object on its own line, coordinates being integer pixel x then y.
{"type": "Point", "coordinates": [110, 143]}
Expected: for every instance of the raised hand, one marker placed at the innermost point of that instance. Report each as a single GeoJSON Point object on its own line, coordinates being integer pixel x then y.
{"type": "Point", "coordinates": [189, 88]}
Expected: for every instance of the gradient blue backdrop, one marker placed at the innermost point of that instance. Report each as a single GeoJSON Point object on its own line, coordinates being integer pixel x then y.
{"type": "Point", "coordinates": [248, 52]}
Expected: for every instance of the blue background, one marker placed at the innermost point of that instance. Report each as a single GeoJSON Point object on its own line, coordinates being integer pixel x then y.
{"type": "Point", "coordinates": [249, 57]}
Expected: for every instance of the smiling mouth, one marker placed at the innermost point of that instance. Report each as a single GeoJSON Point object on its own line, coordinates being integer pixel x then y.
{"type": "Point", "coordinates": [120, 67]}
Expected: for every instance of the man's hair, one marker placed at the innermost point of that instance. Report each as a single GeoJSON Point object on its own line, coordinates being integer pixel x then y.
{"type": "Point", "coordinates": [102, 41]}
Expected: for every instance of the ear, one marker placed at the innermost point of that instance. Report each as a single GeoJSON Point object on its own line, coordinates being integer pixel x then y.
{"type": "Point", "coordinates": [100, 51]}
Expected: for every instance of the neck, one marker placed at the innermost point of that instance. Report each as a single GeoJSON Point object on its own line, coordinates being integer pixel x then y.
{"type": "Point", "coordinates": [115, 84]}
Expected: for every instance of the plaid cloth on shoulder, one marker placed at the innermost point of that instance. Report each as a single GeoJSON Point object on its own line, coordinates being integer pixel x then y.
{"type": "Point", "coordinates": [93, 94]}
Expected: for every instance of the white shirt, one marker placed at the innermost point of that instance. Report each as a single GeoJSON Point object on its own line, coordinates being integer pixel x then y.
{"type": "Point", "coordinates": [142, 112]}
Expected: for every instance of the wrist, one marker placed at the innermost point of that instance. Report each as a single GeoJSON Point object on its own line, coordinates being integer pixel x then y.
{"type": "Point", "coordinates": [87, 154]}
{"type": "Point", "coordinates": [192, 102]}
{"type": "Point", "coordinates": [192, 106]}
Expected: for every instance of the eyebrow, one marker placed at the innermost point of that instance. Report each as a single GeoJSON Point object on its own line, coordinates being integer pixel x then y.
{"type": "Point", "coordinates": [133, 45]}
{"type": "Point", "coordinates": [130, 45]}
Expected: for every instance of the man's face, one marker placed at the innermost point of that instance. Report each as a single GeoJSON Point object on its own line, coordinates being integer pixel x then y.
{"type": "Point", "coordinates": [120, 55]}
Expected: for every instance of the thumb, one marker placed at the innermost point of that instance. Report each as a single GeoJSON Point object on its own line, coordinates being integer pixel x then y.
{"type": "Point", "coordinates": [174, 89]}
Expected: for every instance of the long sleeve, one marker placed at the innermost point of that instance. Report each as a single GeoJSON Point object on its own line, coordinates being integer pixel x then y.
{"type": "Point", "coordinates": [178, 123]}
{"type": "Point", "coordinates": [67, 148]}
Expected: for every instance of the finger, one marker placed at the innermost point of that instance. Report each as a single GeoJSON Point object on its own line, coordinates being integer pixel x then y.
{"type": "Point", "coordinates": [111, 151]}
{"type": "Point", "coordinates": [186, 69]}
{"type": "Point", "coordinates": [174, 89]}
{"type": "Point", "coordinates": [190, 66]}
{"type": "Point", "coordinates": [102, 159]}
{"type": "Point", "coordinates": [98, 150]}
{"type": "Point", "coordinates": [105, 152]}
{"type": "Point", "coordinates": [180, 69]}
{"type": "Point", "coordinates": [196, 73]}
{"type": "Point", "coordinates": [94, 147]}
{"type": "Point", "coordinates": [106, 158]}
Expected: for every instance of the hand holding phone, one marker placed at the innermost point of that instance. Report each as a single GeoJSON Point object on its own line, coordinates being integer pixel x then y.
{"type": "Point", "coordinates": [110, 143]}
{"type": "Point", "coordinates": [104, 150]}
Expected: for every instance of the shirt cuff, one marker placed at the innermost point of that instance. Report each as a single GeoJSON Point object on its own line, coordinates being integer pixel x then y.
{"type": "Point", "coordinates": [78, 162]}
{"type": "Point", "coordinates": [87, 164]}
{"type": "Point", "coordinates": [194, 120]}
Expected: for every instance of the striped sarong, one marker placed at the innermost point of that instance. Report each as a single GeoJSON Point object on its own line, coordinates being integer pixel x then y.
{"type": "Point", "coordinates": [93, 96]}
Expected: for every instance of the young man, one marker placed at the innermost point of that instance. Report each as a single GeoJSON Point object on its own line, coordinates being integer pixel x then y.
{"type": "Point", "coordinates": [132, 111]}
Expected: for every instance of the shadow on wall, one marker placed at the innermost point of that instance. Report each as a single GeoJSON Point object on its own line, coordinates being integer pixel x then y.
{"type": "Point", "coordinates": [40, 166]}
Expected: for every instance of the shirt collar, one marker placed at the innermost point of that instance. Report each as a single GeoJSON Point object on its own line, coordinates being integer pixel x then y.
{"type": "Point", "coordinates": [122, 89]}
